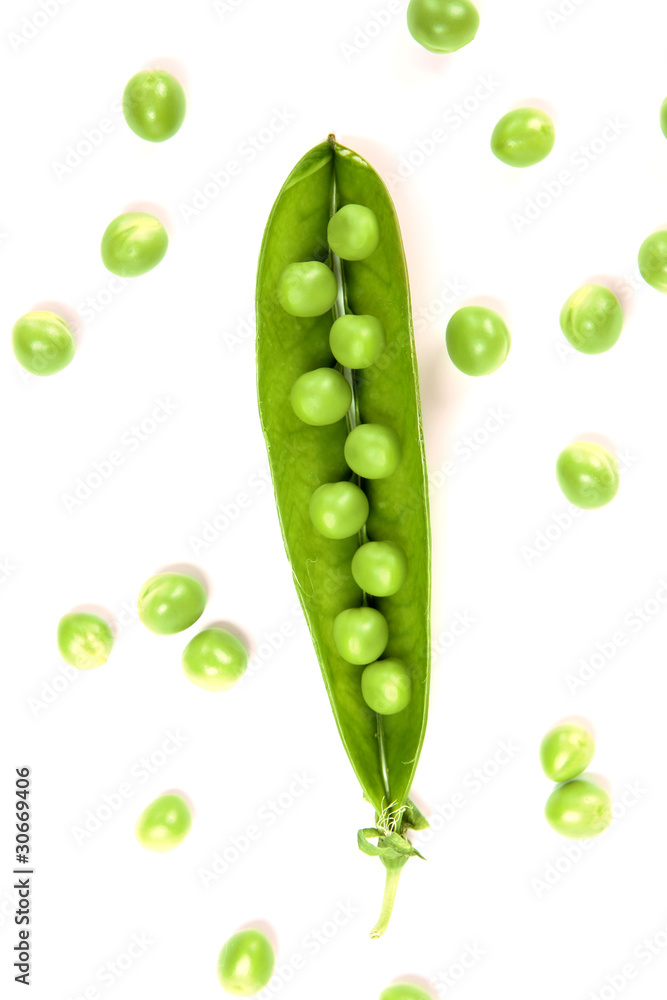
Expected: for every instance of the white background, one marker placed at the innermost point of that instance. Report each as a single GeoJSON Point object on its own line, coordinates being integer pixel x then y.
{"type": "Point", "coordinates": [183, 333]}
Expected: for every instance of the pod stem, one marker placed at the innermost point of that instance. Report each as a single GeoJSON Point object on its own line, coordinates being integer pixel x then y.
{"type": "Point", "coordinates": [390, 887]}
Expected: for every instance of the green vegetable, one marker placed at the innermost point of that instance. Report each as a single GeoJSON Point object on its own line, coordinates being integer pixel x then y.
{"type": "Point", "coordinates": [321, 397]}
{"type": "Point", "coordinates": [579, 809]}
{"type": "Point", "coordinates": [653, 260]}
{"type": "Point", "coordinates": [405, 991]}
{"type": "Point", "coordinates": [84, 640]}
{"type": "Point", "coordinates": [353, 232]}
{"type": "Point", "coordinates": [133, 244]}
{"type": "Point", "coordinates": [171, 602]}
{"type": "Point", "coordinates": [214, 659]}
{"type": "Point", "coordinates": [164, 824]}
{"type": "Point", "coordinates": [386, 686]}
{"type": "Point", "coordinates": [310, 476]}
{"type": "Point", "coordinates": [587, 474]}
{"type": "Point", "coordinates": [442, 25]}
{"type": "Point", "coordinates": [566, 751]}
{"type": "Point", "coordinates": [43, 343]}
{"type": "Point", "coordinates": [154, 104]}
{"type": "Point", "coordinates": [338, 510]}
{"type": "Point", "coordinates": [523, 137]}
{"type": "Point", "coordinates": [592, 319]}
{"type": "Point", "coordinates": [357, 341]}
{"type": "Point", "coordinates": [246, 963]}
{"type": "Point", "coordinates": [663, 117]}
{"type": "Point", "coordinates": [373, 451]}
{"type": "Point", "coordinates": [380, 568]}
{"type": "Point", "coordinates": [478, 341]}
{"type": "Point", "coordinates": [360, 634]}
{"type": "Point", "coordinates": [306, 289]}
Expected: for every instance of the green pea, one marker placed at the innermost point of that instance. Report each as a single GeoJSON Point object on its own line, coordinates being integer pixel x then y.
{"type": "Point", "coordinates": [478, 340]}
{"type": "Point", "coordinates": [339, 510]}
{"type": "Point", "coordinates": [353, 232]}
{"type": "Point", "coordinates": [154, 104]}
{"type": "Point", "coordinates": [380, 568]}
{"type": "Point", "coordinates": [592, 319]}
{"type": "Point", "coordinates": [133, 244]}
{"type": "Point", "coordinates": [566, 751]}
{"type": "Point", "coordinates": [405, 991]}
{"type": "Point", "coordinates": [164, 824]}
{"type": "Point", "coordinates": [442, 25]}
{"type": "Point", "coordinates": [246, 963]}
{"type": "Point", "coordinates": [373, 451]}
{"type": "Point", "coordinates": [171, 602]}
{"type": "Point", "coordinates": [653, 260]}
{"type": "Point", "coordinates": [321, 397]}
{"type": "Point", "coordinates": [357, 341]}
{"type": "Point", "coordinates": [43, 343]}
{"type": "Point", "coordinates": [579, 809]}
{"type": "Point", "coordinates": [360, 635]}
{"type": "Point", "coordinates": [523, 137]}
{"type": "Point", "coordinates": [307, 289]}
{"type": "Point", "coordinates": [386, 686]}
{"type": "Point", "coordinates": [587, 474]}
{"type": "Point", "coordinates": [214, 659]}
{"type": "Point", "coordinates": [84, 640]}
{"type": "Point", "coordinates": [663, 117]}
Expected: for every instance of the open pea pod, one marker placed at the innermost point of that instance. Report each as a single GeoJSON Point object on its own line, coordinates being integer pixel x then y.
{"type": "Point", "coordinates": [383, 749]}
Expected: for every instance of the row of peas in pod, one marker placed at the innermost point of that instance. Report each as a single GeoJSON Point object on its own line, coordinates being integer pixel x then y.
{"type": "Point", "coordinates": [372, 451]}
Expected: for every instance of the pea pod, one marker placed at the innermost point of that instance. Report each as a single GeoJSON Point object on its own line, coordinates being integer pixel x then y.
{"type": "Point", "coordinates": [383, 749]}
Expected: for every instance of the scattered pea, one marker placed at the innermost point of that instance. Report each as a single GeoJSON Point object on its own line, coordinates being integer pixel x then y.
{"type": "Point", "coordinates": [380, 568]}
{"type": "Point", "coordinates": [164, 824]}
{"type": "Point", "coordinates": [133, 243]}
{"type": "Point", "coordinates": [360, 635]}
{"type": "Point", "coordinates": [214, 659]}
{"type": "Point", "coordinates": [307, 288]}
{"type": "Point", "coordinates": [478, 340]}
{"type": "Point", "coordinates": [84, 640]}
{"type": "Point", "coordinates": [154, 104]}
{"type": "Point", "coordinates": [321, 397]}
{"type": "Point", "coordinates": [386, 686]}
{"type": "Point", "coordinates": [653, 260]}
{"type": "Point", "coordinates": [405, 991]}
{"type": "Point", "coordinates": [357, 341]}
{"type": "Point", "coordinates": [663, 117]}
{"type": "Point", "coordinates": [442, 25]}
{"type": "Point", "coordinates": [246, 963]}
{"type": "Point", "coordinates": [353, 232]}
{"type": "Point", "coordinates": [523, 137]}
{"type": "Point", "coordinates": [579, 809]}
{"type": "Point", "coordinates": [588, 475]}
{"type": "Point", "coordinates": [171, 602]}
{"type": "Point", "coordinates": [339, 510]}
{"type": "Point", "coordinates": [372, 451]}
{"type": "Point", "coordinates": [592, 319]}
{"type": "Point", "coordinates": [43, 343]}
{"type": "Point", "coordinates": [566, 751]}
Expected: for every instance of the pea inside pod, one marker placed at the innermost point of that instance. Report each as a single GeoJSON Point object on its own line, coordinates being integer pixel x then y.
{"type": "Point", "coordinates": [348, 485]}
